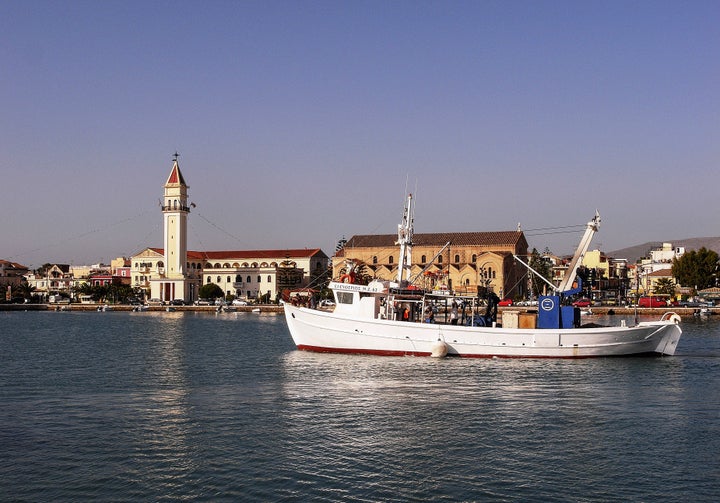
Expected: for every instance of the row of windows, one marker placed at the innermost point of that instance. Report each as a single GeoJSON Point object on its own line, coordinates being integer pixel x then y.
{"type": "Point", "coordinates": [423, 259]}
{"type": "Point", "coordinates": [217, 265]}
{"type": "Point", "coordinates": [238, 279]}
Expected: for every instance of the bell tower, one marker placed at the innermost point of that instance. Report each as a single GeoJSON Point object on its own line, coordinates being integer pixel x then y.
{"type": "Point", "coordinates": [175, 212]}
{"type": "Point", "coordinates": [175, 281]}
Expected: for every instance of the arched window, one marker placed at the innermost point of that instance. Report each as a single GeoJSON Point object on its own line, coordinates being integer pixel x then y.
{"type": "Point", "coordinates": [423, 259]}
{"type": "Point", "coordinates": [474, 258]}
{"type": "Point", "coordinates": [439, 259]}
{"type": "Point", "coordinates": [391, 259]}
{"type": "Point", "coordinates": [259, 278]}
{"type": "Point", "coordinates": [375, 259]}
{"type": "Point", "coordinates": [457, 258]}
{"type": "Point", "coordinates": [209, 280]}
{"type": "Point", "coordinates": [269, 278]}
{"type": "Point", "coordinates": [228, 279]}
{"type": "Point", "coordinates": [238, 278]}
{"type": "Point", "coordinates": [249, 279]}
{"type": "Point", "coordinates": [218, 279]}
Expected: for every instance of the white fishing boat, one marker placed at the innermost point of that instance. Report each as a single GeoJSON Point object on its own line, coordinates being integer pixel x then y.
{"type": "Point", "coordinates": [388, 318]}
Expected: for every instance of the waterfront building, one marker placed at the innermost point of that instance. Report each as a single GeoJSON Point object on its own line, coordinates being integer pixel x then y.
{"type": "Point", "coordinates": [175, 273]}
{"type": "Point", "coordinates": [652, 278]}
{"type": "Point", "coordinates": [11, 277]}
{"type": "Point", "coordinates": [650, 269]}
{"type": "Point", "coordinates": [57, 278]}
{"type": "Point", "coordinates": [464, 262]}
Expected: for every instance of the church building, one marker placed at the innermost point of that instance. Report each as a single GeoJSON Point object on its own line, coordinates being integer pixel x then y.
{"type": "Point", "coordinates": [175, 273]}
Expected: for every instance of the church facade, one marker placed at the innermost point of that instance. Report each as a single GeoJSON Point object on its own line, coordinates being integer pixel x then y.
{"type": "Point", "coordinates": [463, 262]}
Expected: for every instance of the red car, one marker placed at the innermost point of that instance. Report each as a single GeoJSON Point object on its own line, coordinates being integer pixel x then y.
{"type": "Point", "coordinates": [505, 303]}
{"type": "Point", "coordinates": [653, 301]}
{"type": "Point", "coordinates": [582, 303]}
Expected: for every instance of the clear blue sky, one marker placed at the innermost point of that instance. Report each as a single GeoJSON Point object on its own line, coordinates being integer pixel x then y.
{"type": "Point", "coordinates": [300, 122]}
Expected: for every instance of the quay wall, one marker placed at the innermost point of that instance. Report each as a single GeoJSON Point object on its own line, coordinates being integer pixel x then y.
{"type": "Point", "coordinates": [272, 308]}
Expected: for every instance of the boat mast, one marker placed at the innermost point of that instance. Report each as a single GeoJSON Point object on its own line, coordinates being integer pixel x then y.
{"type": "Point", "coordinates": [592, 227]}
{"type": "Point", "coordinates": [405, 236]}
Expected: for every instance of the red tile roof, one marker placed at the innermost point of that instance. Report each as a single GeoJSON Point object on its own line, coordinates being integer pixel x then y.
{"type": "Point", "coordinates": [497, 238]}
{"type": "Point", "coordinates": [175, 177]}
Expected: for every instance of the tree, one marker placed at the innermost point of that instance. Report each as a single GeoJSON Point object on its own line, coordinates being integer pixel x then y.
{"type": "Point", "coordinates": [210, 291]}
{"type": "Point", "coordinates": [543, 267]}
{"type": "Point", "coordinates": [696, 269]}
{"type": "Point", "coordinates": [665, 286]}
{"type": "Point", "coordinates": [25, 290]}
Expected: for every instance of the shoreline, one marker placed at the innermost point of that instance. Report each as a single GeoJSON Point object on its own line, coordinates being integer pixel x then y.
{"type": "Point", "coordinates": [265, 308]}
{"type": "Point", "coordinates": [278, 309]}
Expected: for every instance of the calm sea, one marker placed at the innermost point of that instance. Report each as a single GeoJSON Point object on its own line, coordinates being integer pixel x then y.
{"type": "Point", "coordinates": [122, 406]}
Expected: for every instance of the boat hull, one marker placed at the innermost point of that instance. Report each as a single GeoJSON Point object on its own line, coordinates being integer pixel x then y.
{"type": "Point", "coordinates": [323, 331]}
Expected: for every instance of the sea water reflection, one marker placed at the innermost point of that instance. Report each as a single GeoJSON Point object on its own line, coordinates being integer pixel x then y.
{"type": "Point", "coordinates": [152, 406]}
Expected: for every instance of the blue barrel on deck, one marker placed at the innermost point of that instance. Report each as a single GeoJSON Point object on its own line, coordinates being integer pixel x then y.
{"type": "Point", "coordinates": [548, 311]}
{"type": "Point", "coordinates": [570, 317]}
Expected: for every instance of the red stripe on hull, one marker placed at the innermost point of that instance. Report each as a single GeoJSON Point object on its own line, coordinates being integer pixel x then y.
{"type": "Point", "coordinates": [351, 351]}
{"type": "Point", "coordinates": [377, 352]}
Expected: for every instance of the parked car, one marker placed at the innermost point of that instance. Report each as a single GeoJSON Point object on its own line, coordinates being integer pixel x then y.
{"type": "Point", "coordinates": [178, 302]}
{"type": "Point", "coordinates": [239, 302]}
{"type": "Point", "coordinates": [582, 303]}
{"type": "Point", "coordinates": [652, 301]}
{"type": "Point", "coordinates": [505, 303]}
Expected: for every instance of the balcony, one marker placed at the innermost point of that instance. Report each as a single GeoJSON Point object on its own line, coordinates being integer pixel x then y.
{"type": "Point", "coordinates": [176, 208]}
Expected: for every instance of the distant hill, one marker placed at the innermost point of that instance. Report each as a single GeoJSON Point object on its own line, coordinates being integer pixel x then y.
{"type": "Point", "coordinates": [633, 253]}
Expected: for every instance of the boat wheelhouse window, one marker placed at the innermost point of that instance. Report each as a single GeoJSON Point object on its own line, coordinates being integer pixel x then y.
{"type": "Point", "coordinates": [345, 297]}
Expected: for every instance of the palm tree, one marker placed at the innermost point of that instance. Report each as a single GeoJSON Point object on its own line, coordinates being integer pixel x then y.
{"type": "Point", "coordinates": [665, 286]}
{"type": "Point", "coordinates": [26, 290]}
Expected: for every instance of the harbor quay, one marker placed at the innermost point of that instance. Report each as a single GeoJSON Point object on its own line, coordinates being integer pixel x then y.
{"type": "Point", "coordinates": [270, 308]}
{"type": "Point", "coordinates": [278, 309]}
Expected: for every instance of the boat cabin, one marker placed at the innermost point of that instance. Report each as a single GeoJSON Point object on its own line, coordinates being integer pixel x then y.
{"type": "Point", "coordinates": [361, 301]}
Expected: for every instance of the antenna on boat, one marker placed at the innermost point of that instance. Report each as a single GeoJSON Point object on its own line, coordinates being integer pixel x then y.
{"type": "Point", "coordinates": [405, 237]}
